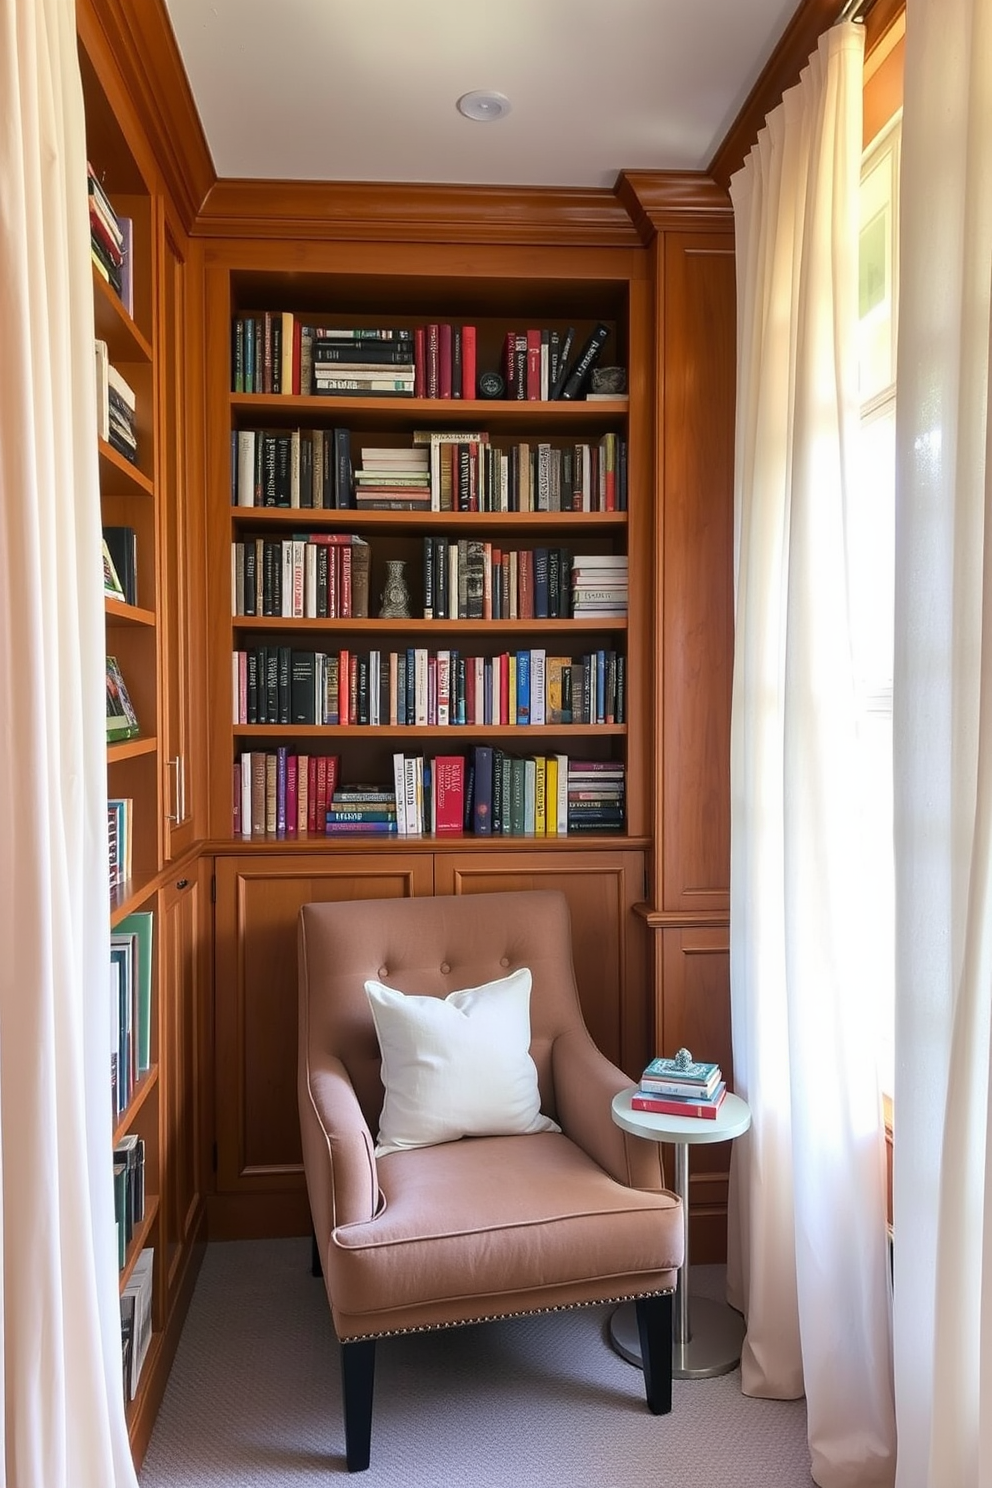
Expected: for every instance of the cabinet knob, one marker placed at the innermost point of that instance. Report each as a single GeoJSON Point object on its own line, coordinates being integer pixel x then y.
{"type": "Point", "coordinates": [182, 883]}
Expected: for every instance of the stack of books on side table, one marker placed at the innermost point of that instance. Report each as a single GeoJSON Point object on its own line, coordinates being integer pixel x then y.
{"type": "Point", "coordinates": [680, 1087]}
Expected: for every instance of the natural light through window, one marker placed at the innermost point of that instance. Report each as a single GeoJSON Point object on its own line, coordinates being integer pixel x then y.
{"type": "Point", "coordinates": [871, 539]}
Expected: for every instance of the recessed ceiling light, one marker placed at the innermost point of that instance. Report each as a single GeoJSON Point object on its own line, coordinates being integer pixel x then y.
{"type": "Point", "coordinates": [483, 105]}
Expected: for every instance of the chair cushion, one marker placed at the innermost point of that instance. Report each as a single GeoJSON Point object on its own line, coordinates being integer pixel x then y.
{"type": "Point", "coordinates": [456, 1066]}
{"type": "Point", "coordinates": [491, 1226]}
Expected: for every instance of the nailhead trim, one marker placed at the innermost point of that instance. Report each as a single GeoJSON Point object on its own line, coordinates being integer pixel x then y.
{"type": "Point", "coordinates": [500, 1317]}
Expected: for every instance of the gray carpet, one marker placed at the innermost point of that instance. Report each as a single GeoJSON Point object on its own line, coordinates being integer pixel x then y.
{"type": "Point", "coordinates": [254, 1400]}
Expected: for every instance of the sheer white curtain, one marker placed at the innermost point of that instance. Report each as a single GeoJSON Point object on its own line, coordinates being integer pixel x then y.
{"type": "Point", "coordinates": [942, 754]}
{"type": "Point", "coordinates": [63, 1419]}
{"type": "Point", "coordinates": [807, 1258]}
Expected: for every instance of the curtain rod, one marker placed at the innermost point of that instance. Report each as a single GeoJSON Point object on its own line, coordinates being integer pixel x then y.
{"type": "Point", "coordinates": [854, 10]}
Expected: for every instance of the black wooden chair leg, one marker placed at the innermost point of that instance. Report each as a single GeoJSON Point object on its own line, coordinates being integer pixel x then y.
{"type": "Point", "coordinates": [358, 1377]}
{"type": "Point", "coordinates": [654, 1327]}
{"type": "Point", "coordinates": [316, 1269]}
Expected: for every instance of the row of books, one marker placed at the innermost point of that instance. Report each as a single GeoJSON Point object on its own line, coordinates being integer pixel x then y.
{"type": "Point", "coordinates": [421, 688]}
{"type": "Point", "coordinates": [315, 575]}
{"type": "Point", "coordinates": [130, 1005]}
{"type": "Point", "coordinates": [116, 406]}
{"type": "Point", "coordinates": [492, 792]}
{"type": "Point", "coordinates": [279, 352]}
{"type": "Point", "coordinates": [443, 470]}
{"type": "Point", "coordinates": [487, 791]}
{"type": "Point", "coordinates": [110, 241]}
{"type": "Point", "coordinates": [136, 1320]}
{"type": "Point", "coordinates": [471, 579]}
{"type": "Point", "coordinates": [129, 1190]}
{"type": "Point", "coordinates": [122, 720]}
{"type": "Point", "coordinates": [681, 1086]}
{"type": "Point", "coordinates": [120, 837]}
{"type": "Point", "coordinates": [120, 564]}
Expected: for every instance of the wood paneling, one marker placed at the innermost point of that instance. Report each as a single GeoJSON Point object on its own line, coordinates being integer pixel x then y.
{"type": "Point", "coordinates": [609, 944]}
{"type": "Point", "coordinates": [256, 998]}
{"type": "Point", "coordinates": [693, 1011]}
{"type": "Point", "coordinates": [184, 1008]}
{"type": "Point", "coordinates": [696, 457]}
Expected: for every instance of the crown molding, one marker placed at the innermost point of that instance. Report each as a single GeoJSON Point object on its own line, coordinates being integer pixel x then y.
{"type": "Point", "coordinates": [139, 40]}
{"type": "Point", "coordinates": [353, 210]}
{"type": "Point", "coordinates": [798, 43]}
{"type": "Point", "coordinates": [689, 201]}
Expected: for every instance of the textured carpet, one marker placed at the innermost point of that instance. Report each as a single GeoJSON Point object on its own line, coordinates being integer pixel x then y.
{"type": "Point", "coordinates": [254, 1401]}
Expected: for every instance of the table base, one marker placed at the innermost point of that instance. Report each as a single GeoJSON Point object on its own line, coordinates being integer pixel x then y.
{"type": "Point", "coordinates": [714, 1347]}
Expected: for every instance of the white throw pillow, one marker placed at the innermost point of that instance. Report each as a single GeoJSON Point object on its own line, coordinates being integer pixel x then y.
{"type": "Point", "coordinates": [457, 1066]}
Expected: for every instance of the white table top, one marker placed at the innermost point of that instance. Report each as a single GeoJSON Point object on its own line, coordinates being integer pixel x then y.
{"type": "Point", "coordinates": [733, 1118]}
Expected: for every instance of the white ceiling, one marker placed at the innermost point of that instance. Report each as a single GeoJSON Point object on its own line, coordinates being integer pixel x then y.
{"type": "Point", "coordinates": [366, 90]}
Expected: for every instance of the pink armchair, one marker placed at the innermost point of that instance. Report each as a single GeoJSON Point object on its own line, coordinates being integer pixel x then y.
{"type": "Point", "coordinates": [483, 1227]}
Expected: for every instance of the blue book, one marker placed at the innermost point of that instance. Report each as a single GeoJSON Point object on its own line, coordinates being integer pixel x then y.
{"type": "Point", "coordinates": [482, 809]}
{"type": "Point", "coordinates": [697, 1073]}
{"type": "Point", "coordinates": [523, 687]}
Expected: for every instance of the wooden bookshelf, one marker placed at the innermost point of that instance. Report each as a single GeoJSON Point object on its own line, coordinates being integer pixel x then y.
{"type": "Point", "coordinates": [140, 494]}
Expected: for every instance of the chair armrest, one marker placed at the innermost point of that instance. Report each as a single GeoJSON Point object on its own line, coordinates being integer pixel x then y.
{"type": "Point", "coordinates": [338, 1150]}
{"type": "Point", "coordinates": [585, 1084]}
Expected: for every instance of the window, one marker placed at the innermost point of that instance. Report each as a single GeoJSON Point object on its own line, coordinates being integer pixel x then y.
{"type": "Point", "coordinates": [871, 553]}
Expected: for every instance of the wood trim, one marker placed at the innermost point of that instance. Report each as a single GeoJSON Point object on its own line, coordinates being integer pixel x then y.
{"type": "Point", "coordinates": [690, 201]}
{"type": "Point", "coordinates": [141, 41]}
{"type": "Point", "coordinates": [357, 210]}
{"type": "Point", "coordinates": [782, 70]}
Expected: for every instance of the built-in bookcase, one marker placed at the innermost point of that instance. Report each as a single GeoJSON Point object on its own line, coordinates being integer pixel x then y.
{"type": "Point", "coordinates": [129, 500]}
{"type": "Point", "coordinates": [566, 522]}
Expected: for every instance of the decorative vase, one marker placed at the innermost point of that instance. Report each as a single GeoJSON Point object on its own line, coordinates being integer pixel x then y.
{"type": "Point", "coordinates": [395, 594]}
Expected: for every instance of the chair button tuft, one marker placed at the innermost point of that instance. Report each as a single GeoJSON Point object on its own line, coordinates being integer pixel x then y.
{"type": "Point", "coordinates": [383, 971]}
{"type": "Point", "coordinates": [445, 967]}
{"type": "Point", "coordinates": [504, 960]}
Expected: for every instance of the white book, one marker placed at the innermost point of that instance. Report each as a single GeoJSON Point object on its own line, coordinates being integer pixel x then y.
{"type": "Point", "coordinates": [479, 670]}
{"type": "Point", "coordinates": [530, 795]}
{"type": "Point", "coordinates": [286, 551]}
{"type": "Point", "coordinates": [294, 459]}
{"type": "Point", "coordinates": [399, 787]}
{"type": "Point", "coordinates": [298, 553]}
{"type": "Point", "coordinates": [246, 794]}
{"type": "Point", "coordinates": [562, 803]}
{"type": "Point", "coordinates": [246, 467]}
{"type": "Point", "coordinates": [310, 580]}
{"type": "Point", "coordinates": [102, 390]}
{"type": "Point", "coordinates": [420, 687]}
{"type": "Point", "coordinates": [443, 688]}
{"type": "Point", "coordinates": [120, 387]}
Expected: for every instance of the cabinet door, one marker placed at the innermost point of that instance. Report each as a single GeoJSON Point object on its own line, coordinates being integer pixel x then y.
{"type": "Point", "coordinates": [184, 1043]}
{"type": "Point", "coordinates": [180, 562]}
{"type": "Point", "coordinates": [609, 941]}
{"type": "Point", "coordinates": [258, 903]}
{"type": "Point", "coordinates": [693, 994]}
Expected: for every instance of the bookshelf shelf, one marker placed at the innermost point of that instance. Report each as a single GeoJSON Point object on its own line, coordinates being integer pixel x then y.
{"type": "Point", "coordinates": [143, 1232]}
{"type": "Point", "coordinates": [145, 1089]}
{"type": "Point", "coordinates": [126, 342]}
{"type": "Point", "coordinates": [444, 734]}
{"type": "Point", "coordinates": [118, 474]}
{"type": "Point", "coordinates": [128, 749]}
{"type": "Point", "coordinates": [118, 613]}
{"type": "Point", "coordinates": [530, 524]}
{"type": "Point", "coordinates": [470, 629]}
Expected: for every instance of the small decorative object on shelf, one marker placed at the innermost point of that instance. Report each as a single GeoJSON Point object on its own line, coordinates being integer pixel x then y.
{"type": "Point", "coordinates": [608, 380]}
{"type": "Point", "coordinates": [683, 1059]}
{"type": "Point", "coordinates": [491, 385]}
{"type": "Point", "coordinates": [395, 594]}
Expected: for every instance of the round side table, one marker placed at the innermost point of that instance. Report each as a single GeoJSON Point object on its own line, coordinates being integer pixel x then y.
{"type": "Point", "coordinates": [709, 1343]}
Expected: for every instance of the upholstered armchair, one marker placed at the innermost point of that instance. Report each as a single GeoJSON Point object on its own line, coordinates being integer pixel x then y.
{"type": "Point", "coordinates": [544, 1204]}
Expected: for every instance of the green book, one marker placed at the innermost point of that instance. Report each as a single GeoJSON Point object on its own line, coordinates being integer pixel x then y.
{"type": "Point", "coordinates": [141, 924]}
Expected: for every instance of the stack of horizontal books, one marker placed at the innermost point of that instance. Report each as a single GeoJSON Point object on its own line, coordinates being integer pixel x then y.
{"type": "Point", "coordinates": [680, 1087]}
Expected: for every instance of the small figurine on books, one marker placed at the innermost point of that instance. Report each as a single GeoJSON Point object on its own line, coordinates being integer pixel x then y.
{"type": "Point", "coordinates": [608, 380]}
{"type": "Point", "coordinates": [683, 1059]}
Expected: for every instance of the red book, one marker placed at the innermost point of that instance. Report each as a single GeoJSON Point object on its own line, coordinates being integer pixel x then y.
{"type": "Point", "coordinates": [468, 362]}
{"type": "Point", "coordinates": [345, 599]}
{"type": "Point", "coordinates": [504, 688]}
{"type": "Point", "coordinates": [675, 1105]}
{"type": "Point", "coordinates": [433, 360]}
{"type": "Point", "coordinates": [533, 364]}
{"type": "Point", "coordinates": [449, 794]}
{"type": "Point", "coordinates": [312, 793]}
{"type": "Point", "coordinates": [444, 361]}
{"type": "Point", "coordinates": [321, 797]}
{"type": "Point", "coordinates": [344, 717]}
{"type": "Point", "coordinates": [525, 584]}
{"type": "Point", "coordinates": [419, 362]}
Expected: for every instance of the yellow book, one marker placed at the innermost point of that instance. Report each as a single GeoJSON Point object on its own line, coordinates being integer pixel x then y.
{"type": "Point", "coordinates": [540, 796]}
{"type": "Point", "coordinates": [551, 796]}
{"type": "Point", "coordinates": [511, 669]}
